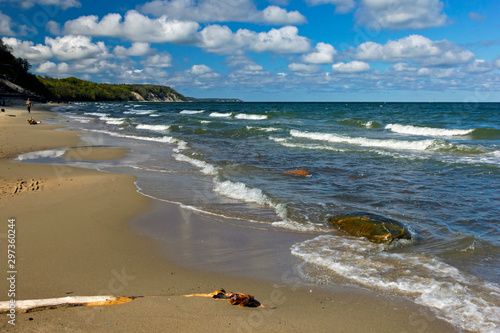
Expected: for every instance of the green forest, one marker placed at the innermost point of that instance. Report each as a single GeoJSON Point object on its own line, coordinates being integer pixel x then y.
{"type": "Point", "coordinates": [73, 89]}
{"type": "Point", "coordinates": [16, 70]}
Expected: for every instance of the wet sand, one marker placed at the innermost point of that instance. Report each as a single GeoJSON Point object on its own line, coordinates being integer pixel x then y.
{"type": "Point", "coordinates": [78, 233]}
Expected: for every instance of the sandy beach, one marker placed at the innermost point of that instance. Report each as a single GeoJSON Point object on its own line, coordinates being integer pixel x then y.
{"type": "Point", "coordinates": [78, 234]}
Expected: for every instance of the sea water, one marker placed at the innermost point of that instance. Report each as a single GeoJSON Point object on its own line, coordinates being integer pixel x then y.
{"type": "Point", "coordinates": [433, 166]}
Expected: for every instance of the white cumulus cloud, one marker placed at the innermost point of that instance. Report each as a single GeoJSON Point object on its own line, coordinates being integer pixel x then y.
{"type": "Point", "coordinates": [415, 48]}
{"type": "Point", "coordinates": [324, 54]}
{"type": "Point", "coordinates": [51, 68]}
{"type": "Point", "coordinates": [28, 50]}
{"type": "Point", "coordinates": [304, 68]}
{"type": "Point", "coordinates": [160, 60]}
{"type": "Point", "coordinates": [282, 41]}
{"type": "Point", "coordinates": [53, 27]}
{"type": "Point", "coordinates": [75, 47]}
{"type": "Point", "coordinates": [222, 11]}
{"type": "Point", "coordinates": [221, 40]}
{"type": "Point", "coordinates": [95, 66]}
{"type": "Point", "coordinates": [137, 49]}
{"type": "Point", "coordinates": [400, 14]}
{"type": "Point", "coordinates": [134, 26]}
{"type": "Point", "coordinates": [351, 67]}
{"type": "Point", "coordinates": [109, 25]}
{"type": "Point", "coordinates": [478, 66]}
{"type": "Point", "coordinates": [200, 76]}
{"type": "Point", "coordinates": [200, 70]}
{"type": "Point", "coordinates": [6, 25]}
{"type": "Point", "coordinates": [277, 15]}
{"type": "Point", "coordinates": [403, 67]}
{"type": "Point", "coordinates": [242, 65]}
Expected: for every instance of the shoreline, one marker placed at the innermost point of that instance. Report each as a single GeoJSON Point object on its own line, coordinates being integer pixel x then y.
{"type": "Point", "coordinates": [77, 236]}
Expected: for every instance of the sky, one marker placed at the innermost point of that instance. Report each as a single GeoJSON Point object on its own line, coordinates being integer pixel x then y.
{"type": "Point", "coordinates": [268, 50]}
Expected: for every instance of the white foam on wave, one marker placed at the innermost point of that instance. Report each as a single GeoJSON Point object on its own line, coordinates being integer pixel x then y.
{"type": "Point", "coordinates": [80, 119]}
{"type": "Point", "coordinates": [427, 131]}
{"type": "Point", "coordinates": [360, 123]}
{"type": "Point", "coordinates": [240, 191]}
{"type": "Point", "coordinates": [365, 142]}
{"type": "Point", "coordinates": [234, 190]}
{"type": "Point", "coordinates": [205, 167]}
{"type": "Point", "coordinates": [250, 116]}
{"type": "Point", "coordinates": [220, 115]}
{"type": "Point", "coordinates": [164, 139]}
{"type": "Point", "coordinates": [192, 111]}
{"type": "Point", "coordinates": [464, 301]}
{"type": "Point", "coordinates": [181, 145]}
{"type": "Point", "coordinates": [139, 112]}
{"type": "Point", "coordinates": [265, 129]}
{"type": "Point", "coordinates": [96, 114]}
{"type": "Point", "coordinates": [113, 121]}
{"type": "Point", "coordinates": [293, 225]}
{"type": "Point", "coordinates": [284, 142]}
{"type": "Point", "coordinates": [370, 124]}
{"type": "Point", "coordinates": [492, 158]}
{"type": "Point", "coordinates": [106, 118]}
{"type": "Point", "coordinates": [489, 159]}
{"type": "Point", "coordinates": [154, 128]}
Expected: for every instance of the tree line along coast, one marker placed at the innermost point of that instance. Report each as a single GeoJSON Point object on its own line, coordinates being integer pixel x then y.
{"type": "Point", "coordinates": [17, 83]}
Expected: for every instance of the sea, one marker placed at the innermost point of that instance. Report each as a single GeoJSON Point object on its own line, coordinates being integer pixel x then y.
{"type": "Point", "coordinates": [435, 167]}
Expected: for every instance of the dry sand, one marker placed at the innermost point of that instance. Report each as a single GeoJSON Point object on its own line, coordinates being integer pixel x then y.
{"type": "Point", "coordinates": [73, 238]}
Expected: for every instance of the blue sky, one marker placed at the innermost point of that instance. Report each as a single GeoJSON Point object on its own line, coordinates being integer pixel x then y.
{"type": "Point", "coordinates": [275, 50]}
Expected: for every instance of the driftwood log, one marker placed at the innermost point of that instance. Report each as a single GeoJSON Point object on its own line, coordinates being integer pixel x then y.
{"type": "Point", "coordinates": [24, 306]}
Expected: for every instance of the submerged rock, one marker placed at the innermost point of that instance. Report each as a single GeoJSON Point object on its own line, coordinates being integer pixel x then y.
{"type": "Point", "coordinates": [375, 228]}
{"type": "Point", "coordinates": [297, 173]}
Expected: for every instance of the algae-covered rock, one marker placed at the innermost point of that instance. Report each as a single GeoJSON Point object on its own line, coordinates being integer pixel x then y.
{"type": "Point", "coordinates": [375, 228]}
{"type": "Point", "coordinates": [297, 173]}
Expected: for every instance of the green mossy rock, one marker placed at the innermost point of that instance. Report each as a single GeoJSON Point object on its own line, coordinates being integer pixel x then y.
{"type": "Point", "coordinates": [375, 228]}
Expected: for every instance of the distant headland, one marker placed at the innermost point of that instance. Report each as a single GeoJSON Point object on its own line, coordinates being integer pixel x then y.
{"type": "Point", "coordinates": [16, 82]}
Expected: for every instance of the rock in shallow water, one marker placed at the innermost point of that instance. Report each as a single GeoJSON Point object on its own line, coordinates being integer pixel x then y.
{"type": "Point", "coordinates": [297, 173]}
{"type": "Point", "coordinates": [375, 228]}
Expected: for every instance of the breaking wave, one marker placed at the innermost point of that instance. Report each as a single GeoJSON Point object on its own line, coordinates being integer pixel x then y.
{"type": "Point", "coordinates": [427, 131]}
{"type": "Point", "coordinates": [462, 300]}
{"type": "Point", "coordinates": [220, 115]}
{"type": "Point", "coordinates": [154, 128]}
{"type": "Point", "coordinates": [251, 116]}
{"type": "Point", "coordinates": [192, 111]}
{"type": "Point", "coordinates": [360, 141]}
{"type": "Point", "coordinates": [360, 123]}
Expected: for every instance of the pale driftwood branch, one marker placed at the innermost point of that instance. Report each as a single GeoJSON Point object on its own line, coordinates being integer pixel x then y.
{"type": "Point", "coordinates": [24, 306]}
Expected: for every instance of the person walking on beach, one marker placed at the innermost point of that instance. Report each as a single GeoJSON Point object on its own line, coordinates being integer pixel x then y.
{"type": "Point", "coordinates": [28, 105]}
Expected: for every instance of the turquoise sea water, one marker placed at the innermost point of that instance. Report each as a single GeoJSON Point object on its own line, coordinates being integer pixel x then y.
{"type": "Point", "coordinates": [433, 166]}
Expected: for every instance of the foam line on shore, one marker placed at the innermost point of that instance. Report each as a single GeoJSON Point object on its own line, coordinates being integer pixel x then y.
{"type": "Point", "coordinates": [462, 300]}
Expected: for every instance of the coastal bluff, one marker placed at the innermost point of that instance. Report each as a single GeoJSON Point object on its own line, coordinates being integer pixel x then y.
{"type": "Point", "coordinates": [75, 90]}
